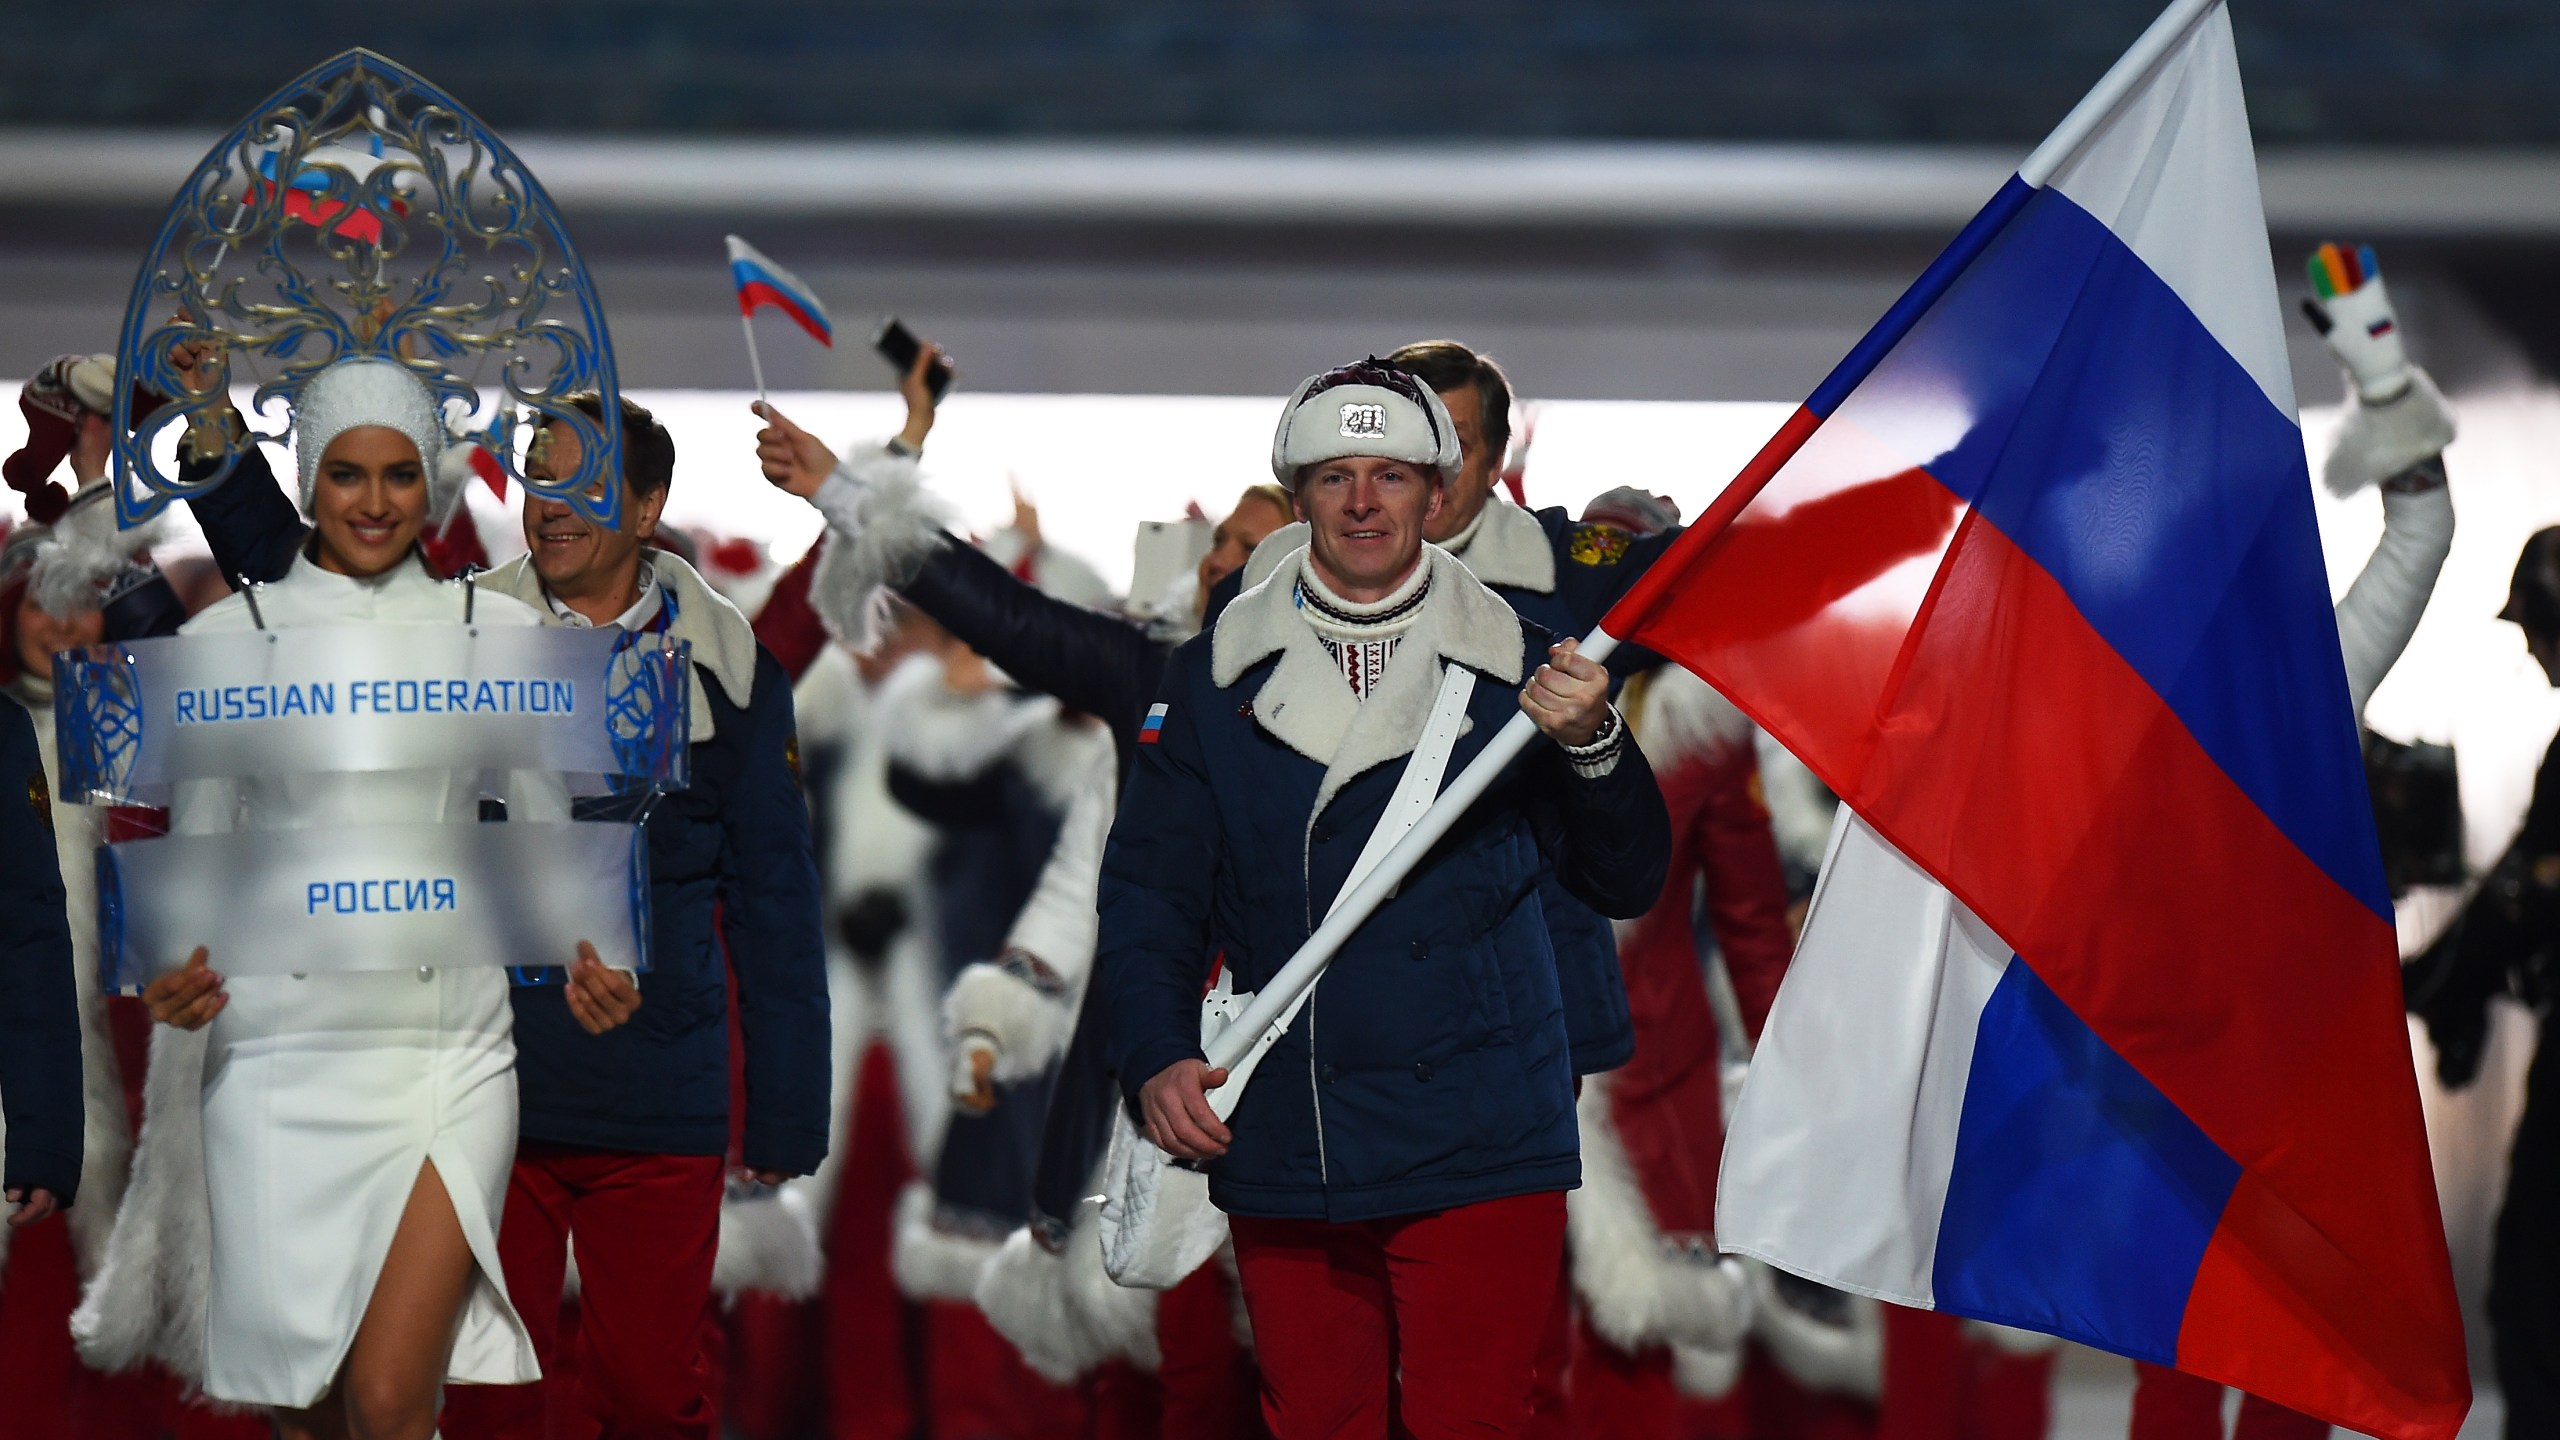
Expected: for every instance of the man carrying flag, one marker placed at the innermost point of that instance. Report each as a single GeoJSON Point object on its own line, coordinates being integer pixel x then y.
{"type": "Point", "coordinates": [1395, 1173]}
{"type": "Point", "coordinates": [2095, 1028]}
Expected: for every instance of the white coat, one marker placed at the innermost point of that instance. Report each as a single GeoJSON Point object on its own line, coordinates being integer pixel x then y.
{"type": "Point", "coordinates": [325, 1095]}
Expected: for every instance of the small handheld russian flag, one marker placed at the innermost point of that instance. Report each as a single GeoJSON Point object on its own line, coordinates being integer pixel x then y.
{"type": "Point", "coordinates": [761, 283]}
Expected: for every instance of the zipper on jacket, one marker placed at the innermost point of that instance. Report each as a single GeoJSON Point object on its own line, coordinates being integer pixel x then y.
{"type": "Point", "coordinates": [1315, 1095]}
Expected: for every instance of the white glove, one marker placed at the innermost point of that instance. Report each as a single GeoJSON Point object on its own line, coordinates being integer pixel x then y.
{"type": "Point", "coordinates": [2399, 422]}
{"type": "Point", "coordinates": [2352, 311]}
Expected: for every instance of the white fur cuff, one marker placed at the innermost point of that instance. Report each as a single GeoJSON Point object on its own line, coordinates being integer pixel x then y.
{"type": "Point", "coordinates": [1062, 1312]}
{"type": "Point", "coordinates": [768, 1243]}
{"type": "Point", "coordinates": [1705, 1374]}
{"type": "Point", "coordinates": [2377, 442]}
{"type": "Point", "coordinates": [1640, 1286]}
{"type": "Point", "coordinates": [1023, 1294]}
{"type": "Point", "coordinates": [1029, 1025]}
{"type": "Point", "coordinates": [881, 526]}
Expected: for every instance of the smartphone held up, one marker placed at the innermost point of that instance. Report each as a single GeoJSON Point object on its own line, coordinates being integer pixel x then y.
{"type": "Point", "coordinates": [899, 346]}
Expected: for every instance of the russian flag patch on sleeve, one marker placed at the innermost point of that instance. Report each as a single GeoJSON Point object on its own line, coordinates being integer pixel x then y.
{"type": "Point", "coordinates": [1152, 732]}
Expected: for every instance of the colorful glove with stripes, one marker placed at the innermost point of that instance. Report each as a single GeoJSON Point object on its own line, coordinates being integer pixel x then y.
{"type": "Point", "coordinates": [2399, 422]}
{"type": "Point", "coordinates": [2353, 313]}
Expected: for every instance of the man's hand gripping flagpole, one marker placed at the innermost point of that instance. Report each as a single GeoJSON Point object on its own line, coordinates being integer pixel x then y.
{"type": "Point", "coordinates": [1279, 998]}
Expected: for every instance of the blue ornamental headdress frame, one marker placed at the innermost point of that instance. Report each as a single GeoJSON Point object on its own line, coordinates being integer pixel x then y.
{"type": "Point", "coordinates": [360, 210]}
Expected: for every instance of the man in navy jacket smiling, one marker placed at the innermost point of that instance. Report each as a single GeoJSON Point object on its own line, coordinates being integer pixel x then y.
{"type": "Point", "coordinates": [1395, 1174]}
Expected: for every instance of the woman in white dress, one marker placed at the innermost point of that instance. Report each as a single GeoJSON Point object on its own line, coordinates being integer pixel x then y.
{"type": "Point", "coordinates": [359, 1126]}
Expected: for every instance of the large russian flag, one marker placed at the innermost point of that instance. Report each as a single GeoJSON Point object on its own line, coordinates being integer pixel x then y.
{"type": "Point", "coordinates": [2096, 1025]}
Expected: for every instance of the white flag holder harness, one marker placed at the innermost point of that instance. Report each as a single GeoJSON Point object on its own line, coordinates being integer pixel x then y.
{"type": "Point", "coordinates": [1157, 1225]}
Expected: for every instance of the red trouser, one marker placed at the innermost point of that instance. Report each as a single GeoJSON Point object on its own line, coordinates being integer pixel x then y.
{"type": "Point", "coordinates": [2173, 1405]}
{"type": "Point", "coordinates": [1207, 1375]}
{"type": "Point", "coordinates": [1450, 1306]}
{"type": "Point", "coordinates": [647, 1227]}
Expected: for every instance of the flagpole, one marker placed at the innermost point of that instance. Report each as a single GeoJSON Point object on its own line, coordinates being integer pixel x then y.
{"type": "Point", "coordinates": [755, 359]}
{"type": "Point", "coordinates": [2109, 94]}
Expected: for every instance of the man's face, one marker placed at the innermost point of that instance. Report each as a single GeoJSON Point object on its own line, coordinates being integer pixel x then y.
{"type": "Point", "coordinates": [40, 633]}
{"type": "Point", "coordinates": [568, 548]}
{"type": "Point", "coordinates": [1479, 464]}
{"type": "Point", "coordinates": [1232, 543]}
{"type": "Point", "coordinates": [1365, 521]}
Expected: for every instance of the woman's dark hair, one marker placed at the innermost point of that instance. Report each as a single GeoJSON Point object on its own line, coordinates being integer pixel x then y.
{"type": "Point", "coordinates": [1446, 365]}
{"type": "Point", "coordinates": [648, 451]}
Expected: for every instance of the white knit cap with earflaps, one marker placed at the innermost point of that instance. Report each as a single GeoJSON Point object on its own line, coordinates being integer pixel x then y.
{"type": "Point", "coordinates": [370, 390]}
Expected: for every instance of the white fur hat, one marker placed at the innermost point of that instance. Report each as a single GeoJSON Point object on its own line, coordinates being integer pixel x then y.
{"type": "Point", "coordinates": [1371, 408]}
{"type": "Point", "coordinates": [370, 390]}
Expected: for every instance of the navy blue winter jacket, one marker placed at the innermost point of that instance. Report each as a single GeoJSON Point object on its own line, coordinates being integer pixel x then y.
{"type": "Point", "coordinates": [730, 861]}
{"type": "Point", "coordinates": [729, 857]}
{"type": "Point", "coordinates": [39, 1007]}
{"type": "Point", "coordinates": [1431, 1068]}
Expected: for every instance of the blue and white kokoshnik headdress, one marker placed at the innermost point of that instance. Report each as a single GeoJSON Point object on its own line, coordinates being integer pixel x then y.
{"type": "Point", "coordinates": [362, 213]}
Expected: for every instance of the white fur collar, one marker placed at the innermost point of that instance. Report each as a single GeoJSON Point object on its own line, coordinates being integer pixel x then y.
{"type": "Point", "coordinates": [723, 642]}
{"type": "Point", "coordinates": [1307, 705]}
{"type": "Point", "coordinates": [1265, 561]}
{"type": "Point", "coordinates": [1509, 548]}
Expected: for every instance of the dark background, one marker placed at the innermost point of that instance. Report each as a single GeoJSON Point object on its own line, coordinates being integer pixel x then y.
{"type": "Point", "coordinates": [1038, 302]}
{"type": "Point", "coordinates": [2361, 72]}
